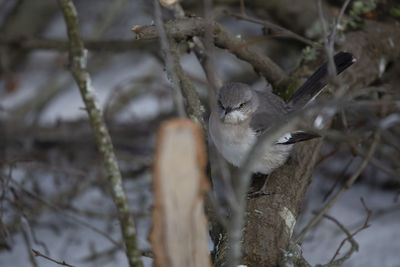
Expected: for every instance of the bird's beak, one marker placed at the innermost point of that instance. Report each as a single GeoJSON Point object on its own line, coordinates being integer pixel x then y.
{"type": "Point", "coordinates": [223, 114]}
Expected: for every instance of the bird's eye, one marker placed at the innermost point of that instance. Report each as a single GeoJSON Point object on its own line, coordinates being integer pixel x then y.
{"type": "Point", "coordinates": [220, 104]}
{"type": "Point", "coordinates": [241, 105]}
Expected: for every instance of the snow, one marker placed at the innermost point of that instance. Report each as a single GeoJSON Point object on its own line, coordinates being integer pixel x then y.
{"type": "Point", "coordinates": [378, 244]}
{"type": "Point", "coordinates": [67, 240]}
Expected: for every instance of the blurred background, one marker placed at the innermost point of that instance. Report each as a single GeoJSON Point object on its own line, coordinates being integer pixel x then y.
{"type": "Point", "coordinates": [54, 196]}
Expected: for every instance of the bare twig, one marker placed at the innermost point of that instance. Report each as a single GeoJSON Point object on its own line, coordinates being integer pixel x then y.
{"type": "Point", "coordinates": [349, 238]}
{"type": "Point", "coordinates": [165, 47]}
{"type": "Point", "coordinates": [329, 40]}
{"type": "Point", "coordinates": [339, 178]}
{"type": "Point", "coordinates": [78, 60]}
{"type": "Point", "coordinates": [27, 241]}
{"type": "Point", "coordinates": [107, 18]}
{"type": "Point", "coordinates": [329, 52]}
{"type": "Point", "coordinates": [274, 26]}
{"type": "Point", "coordinates": [348, 184]}
{"type": "Point", "coordinates": [38, 254]}
{"type": "Point", "coordinates": [337, 25]}
{"type": "Point", "coordinates": [208, 61]}
{"type": "Point", "coordinates": [65, 214]}
{"type": "Point", "coordinates": [181, 82]}
{"type": "Point", "coordinates": [353, 243]}
{"type": "Point", "coordinates": [194, 109]}
{"type": "Point", "coordinates": [329, 154]}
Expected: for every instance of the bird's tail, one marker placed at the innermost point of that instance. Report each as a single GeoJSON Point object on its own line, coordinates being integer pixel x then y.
{"type": "Point", "coordinates": [319, 80]}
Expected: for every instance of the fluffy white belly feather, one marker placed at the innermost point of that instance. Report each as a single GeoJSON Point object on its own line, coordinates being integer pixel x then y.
{"type": "Point", "coordinates": [235, 141]}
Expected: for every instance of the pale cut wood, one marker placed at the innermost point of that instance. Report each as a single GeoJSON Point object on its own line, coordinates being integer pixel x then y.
{"type": "Point", "coordinates": [179, 232]}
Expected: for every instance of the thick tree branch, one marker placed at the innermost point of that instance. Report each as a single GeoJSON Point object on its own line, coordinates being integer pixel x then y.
{"type": "Point", "coordinates": [78, 60]}
{"type": "Point", "coordinates": [181, 29]}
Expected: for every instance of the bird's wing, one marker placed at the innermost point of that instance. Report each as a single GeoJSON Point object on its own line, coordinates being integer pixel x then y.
{"type": "Point", "coordinates": [261, 122]}
{"type": "Point", "coordinates": [295, 137]}
{"type": "Point", "coordinates": [271, 110]}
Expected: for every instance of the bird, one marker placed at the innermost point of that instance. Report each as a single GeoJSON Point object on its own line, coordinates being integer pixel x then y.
{"type": "Point", "coordinates": [241, 115]}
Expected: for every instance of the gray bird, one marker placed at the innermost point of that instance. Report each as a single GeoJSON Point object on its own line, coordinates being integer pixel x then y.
{"type": "Point", "coordinates": [243, 114]}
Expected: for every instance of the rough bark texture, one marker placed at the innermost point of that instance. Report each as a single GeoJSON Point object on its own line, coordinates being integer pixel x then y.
{"type": "Point", "coordinates": [271, 218]}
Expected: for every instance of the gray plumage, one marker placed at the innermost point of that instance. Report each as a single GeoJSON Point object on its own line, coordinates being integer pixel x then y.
{"type": "Point", "coordinates": [243, 114]}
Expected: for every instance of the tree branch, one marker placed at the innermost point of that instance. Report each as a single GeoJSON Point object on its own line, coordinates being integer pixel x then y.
{"type": "Point", "coordinates": [181, 29]}
{"type": "Point", "coordinates": [276, 27]}
{"type": "Point", "coordinates": [38, 254]}
{"type": "Point", "coordinates": [78, 60]}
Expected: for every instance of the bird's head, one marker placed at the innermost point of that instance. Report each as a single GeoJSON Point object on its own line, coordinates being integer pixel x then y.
{"type": "Point", "coordinates": [236, 103]}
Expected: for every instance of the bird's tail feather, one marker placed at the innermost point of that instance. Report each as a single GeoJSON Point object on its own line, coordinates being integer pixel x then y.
{"type": "Point", "coordinates": [319, 80]}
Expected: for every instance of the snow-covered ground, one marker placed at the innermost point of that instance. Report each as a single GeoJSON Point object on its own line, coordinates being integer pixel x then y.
{"type": "Point", "coordinates": [379, 244]}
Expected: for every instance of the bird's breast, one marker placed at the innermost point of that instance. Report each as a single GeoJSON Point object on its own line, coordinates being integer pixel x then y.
{"type": "Point", "coordinates": [233, 141]}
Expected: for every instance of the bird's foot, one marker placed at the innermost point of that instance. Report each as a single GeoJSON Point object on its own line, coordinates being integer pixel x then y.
{"type": "Point", "coordinates": [259, 186]}
{"type": "Point", "coordinates": [259, 193]}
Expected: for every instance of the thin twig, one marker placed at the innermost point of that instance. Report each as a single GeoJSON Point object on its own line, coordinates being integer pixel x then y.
{"type": "Point", "coordinates": [78, 61]}
{"type": "Point", "coordinates": [65, 214]}
{"type": "Point", "coordinates": [329, 154]}
{"type": "Point", "coordinates": [329, 40]}
{"type": "Point", "coordinates": [107, 18]}
{"type": "Point", "coordinates": [339, 178]}
{"type": "Point", "coordinates": [208, 62]}
{"type": "Point", "coordinates": [63, 263]}
{"type": "Point", "coordinates": [181, 82]}
{"type": "Point", "coordinates": [348, 184]}
{"type": "Point", "coordinates": [337, 25]}
{"type": "Point", "coordinates": [165, 47]}
{"type": "Point", "coordinates": [28, 245]}
{"type": "Point", "coordinates": [329, 52]}
{"type": "Point", "coordinates": [274, 26]}
{"type": "Point", "coordinates": [194, 108]}
{"type": "Point", "coordinates": [349, 238]}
